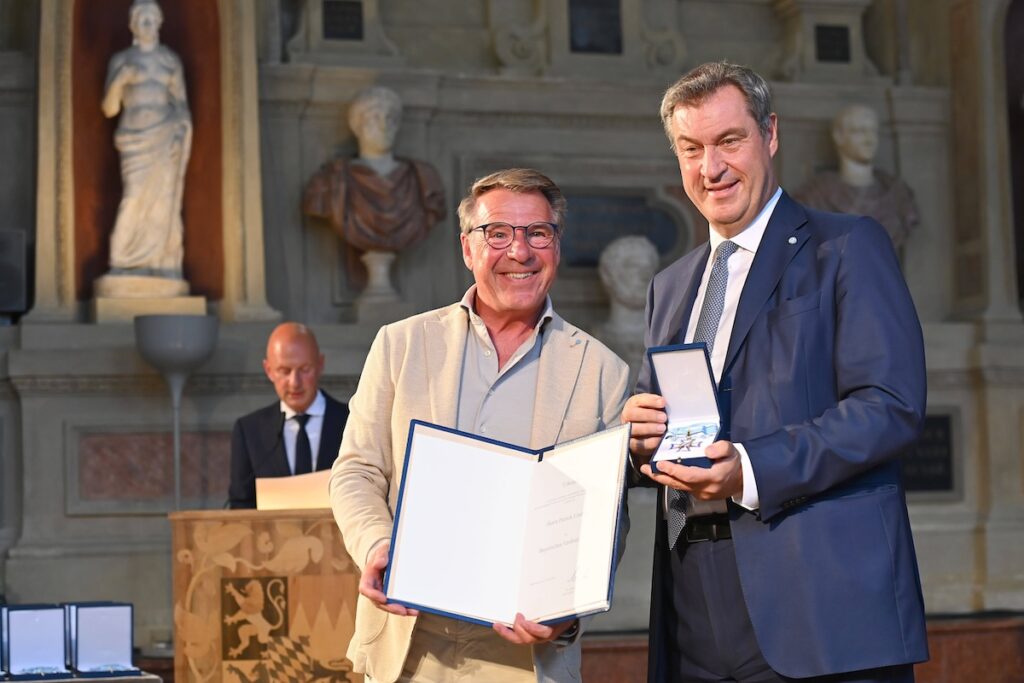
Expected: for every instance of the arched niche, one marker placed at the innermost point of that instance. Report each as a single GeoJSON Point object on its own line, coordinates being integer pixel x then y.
{"type": "Point", "coordinates": [223, 208]}
{"type": "Point", "coordinates": [99, 31]}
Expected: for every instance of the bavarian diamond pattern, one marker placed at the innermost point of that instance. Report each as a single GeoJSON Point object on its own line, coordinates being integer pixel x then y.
{"type": "Point", "coordinates": [287, 660]}
{"type": "Point", "coordinates": [707, 328]}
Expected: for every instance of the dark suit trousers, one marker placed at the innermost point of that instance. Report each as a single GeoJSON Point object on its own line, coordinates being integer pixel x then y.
{"type": "Point", "coordinates": [713, 639]}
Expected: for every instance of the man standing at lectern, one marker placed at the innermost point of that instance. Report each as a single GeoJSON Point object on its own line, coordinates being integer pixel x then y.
{"type": "Point", "coordinates": [791, 558]}
{"type": "Point", "coordinates": [500, 363]}
{"type": "Point", "coordinates": [300, 433]}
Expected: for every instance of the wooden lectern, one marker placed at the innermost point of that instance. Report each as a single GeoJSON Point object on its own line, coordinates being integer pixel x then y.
{"type": "Point", "coordinates": [261, 596]}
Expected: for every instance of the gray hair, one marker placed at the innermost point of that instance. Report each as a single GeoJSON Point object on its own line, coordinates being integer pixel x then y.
{"type": "Point", "coordinates": [521, 180]}
{"type": "Point", "coordinates": [707, 79]}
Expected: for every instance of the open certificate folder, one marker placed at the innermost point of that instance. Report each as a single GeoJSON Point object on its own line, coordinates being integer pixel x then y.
{"type": "Point", "coordinates": [485, 529]}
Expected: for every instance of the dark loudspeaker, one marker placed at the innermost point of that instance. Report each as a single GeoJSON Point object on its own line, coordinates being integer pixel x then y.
{"type": "Point", "coordinates": [12, 272]}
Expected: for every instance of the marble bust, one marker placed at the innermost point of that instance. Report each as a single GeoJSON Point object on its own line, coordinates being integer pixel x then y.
{"type": "Point", "coordinates": [146, 86]}
{"type": "Point", "coordinates": [626, 267]}
{"type": "Point", "coordinates": [376, 202]}
{"type": "Point", "coordinates": [857, 187]}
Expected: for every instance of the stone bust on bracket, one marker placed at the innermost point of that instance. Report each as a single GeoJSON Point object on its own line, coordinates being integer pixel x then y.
{"type": "Point", "coordinates": [378, 204]}
{"type": "Point", "coordinates": [626, 267]}
{"type": "Point", "coordinates": [857, 187]}
{"type": "Point", "coordinates": [146, 86]}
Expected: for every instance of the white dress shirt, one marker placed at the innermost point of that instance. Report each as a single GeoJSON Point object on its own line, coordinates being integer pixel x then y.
{"type": "Point", "coordinates": [314, 426]}
{"type": "Point", "coordinates": [748, 241]}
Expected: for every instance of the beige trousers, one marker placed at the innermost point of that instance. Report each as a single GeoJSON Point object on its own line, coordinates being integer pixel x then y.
{"type": "Point", "coordinates": [449, 651]}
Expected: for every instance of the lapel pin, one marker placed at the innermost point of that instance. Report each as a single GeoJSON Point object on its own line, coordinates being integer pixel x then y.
{"type": "Point", "coordinates": [792, 240]}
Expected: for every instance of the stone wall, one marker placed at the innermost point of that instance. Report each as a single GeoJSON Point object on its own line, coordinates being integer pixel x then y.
{"type": "Point", "coordinates": [84, 423]}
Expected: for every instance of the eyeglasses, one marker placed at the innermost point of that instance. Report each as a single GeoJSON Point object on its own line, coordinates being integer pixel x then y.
{"type": "Point", "coordinates": [539, 235]}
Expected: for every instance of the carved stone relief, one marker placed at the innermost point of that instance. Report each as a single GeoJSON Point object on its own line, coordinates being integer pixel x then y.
{"type": "Point", "coordinates": [348, 32]}
{"type": "Point", "coordinates": [824, 41]}
{"type": "Point", "coordinates": [628, 39]}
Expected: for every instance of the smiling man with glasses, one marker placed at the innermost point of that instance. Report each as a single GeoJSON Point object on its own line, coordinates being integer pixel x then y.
{"type": "Point", "coordinates": [500, 363]}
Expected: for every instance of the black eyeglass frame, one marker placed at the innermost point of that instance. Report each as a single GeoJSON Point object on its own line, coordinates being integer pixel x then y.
{"type": "Point", "coordinates": [555, 234]}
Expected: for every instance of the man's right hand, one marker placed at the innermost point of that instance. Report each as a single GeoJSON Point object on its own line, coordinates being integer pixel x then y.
{"type": "Point", "coordinates": [371, 583]}
{"type": "Point", "coordinates": [646, 412]}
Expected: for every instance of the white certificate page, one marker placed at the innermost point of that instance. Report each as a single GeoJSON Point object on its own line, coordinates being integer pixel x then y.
{"type": "Point", "coordinates": [570, 539]}
{"type": "Point", "coordinates": [486, 530]}
{"type": "Point", "coordinates": [457, 542]}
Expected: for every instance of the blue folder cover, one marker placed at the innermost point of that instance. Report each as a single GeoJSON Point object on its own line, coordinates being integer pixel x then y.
{"type": "Point", "coordinates": [538, 456]}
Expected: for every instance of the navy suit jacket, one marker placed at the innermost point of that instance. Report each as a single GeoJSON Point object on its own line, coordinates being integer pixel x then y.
{"type": "Point", "coordinates": [257, 448]}
{"type": "Point", "coordinates": [824, 385]}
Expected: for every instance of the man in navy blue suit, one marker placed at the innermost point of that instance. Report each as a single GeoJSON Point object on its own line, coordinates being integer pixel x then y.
{"type": "Point", "coordinates": [301, 433]}
{"type": "Point", "coordinates": [791, 557]}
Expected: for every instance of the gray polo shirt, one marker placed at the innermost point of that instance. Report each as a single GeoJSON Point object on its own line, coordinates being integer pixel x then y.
{"type": "Point", "coordinates": [492, 403]}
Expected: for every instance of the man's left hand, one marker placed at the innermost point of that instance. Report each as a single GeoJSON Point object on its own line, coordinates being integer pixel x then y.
{"type": "Point", "coordinates": [525, 632]}
{"type": "Point", "coordinates": [724, 479]}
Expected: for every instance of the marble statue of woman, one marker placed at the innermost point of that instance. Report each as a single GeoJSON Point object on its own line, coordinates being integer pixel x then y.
{"type": "Point", "coordinates": [146, 85]}
{"type": "Point", "coordinates": [857, 187]}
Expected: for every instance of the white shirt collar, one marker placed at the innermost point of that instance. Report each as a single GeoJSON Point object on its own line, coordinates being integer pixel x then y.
{"type": "Point", "coordinates": [316, 408]}
{"type": "Point", "coordinates": [750, 237]}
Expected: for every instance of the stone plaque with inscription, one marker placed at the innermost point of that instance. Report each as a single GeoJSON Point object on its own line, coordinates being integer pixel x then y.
{"type": "Point", "coordinates": [595, 26]}
{"type": "Point", "coordinates": [832, 43]}
{"type": "Point", "coordinates": [343, 19]}
{"type": "Point", "coordinates": [928, 467]}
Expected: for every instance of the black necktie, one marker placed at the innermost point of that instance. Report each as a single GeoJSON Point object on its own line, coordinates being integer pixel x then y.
{"type": "Point", "coordinates": [303, 451]}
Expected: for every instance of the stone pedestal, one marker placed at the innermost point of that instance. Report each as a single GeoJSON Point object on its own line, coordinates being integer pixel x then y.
{"type": "Point", "coordinates": [119, 298]}
{"type": "Point", "coordinates": [380, 303]}
{"type": "Point", "coordinates": [116, 310]}
{"type": "Point", "coordinates": [138, 287]}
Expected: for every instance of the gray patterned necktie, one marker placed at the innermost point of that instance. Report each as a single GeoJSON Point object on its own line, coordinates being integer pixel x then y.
{"type": "Point", "coordinates": [707, 328]}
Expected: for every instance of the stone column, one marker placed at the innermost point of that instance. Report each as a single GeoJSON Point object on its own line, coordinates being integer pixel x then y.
{"type": "Point", "coordinates": [55, 212]}
{"type": "Point", "coordinates": [245, 296]}
{"type": "Point", "coordinates": [986, 281]}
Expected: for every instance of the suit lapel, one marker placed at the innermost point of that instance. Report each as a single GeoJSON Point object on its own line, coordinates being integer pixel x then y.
{"type": "Point", "coordinates": [680, 317]}
{"type": "Point", "coordinates": [445, 340]}
{"type": "Point", "coordinates": [782, 239]}
{"type": "Point", "coordinates": [560, 360]}
{"type": "Point", "coordinates": [272, 437]}
{"type": "Point", "coordinates": [330, 433]}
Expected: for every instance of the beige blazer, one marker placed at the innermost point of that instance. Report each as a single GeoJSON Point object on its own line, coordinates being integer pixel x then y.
{"type": "Point", "coordinates": [412, 372]}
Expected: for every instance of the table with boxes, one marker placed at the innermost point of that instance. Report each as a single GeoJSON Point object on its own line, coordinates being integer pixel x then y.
{"type": "Point", "coordinates": [68, 641]}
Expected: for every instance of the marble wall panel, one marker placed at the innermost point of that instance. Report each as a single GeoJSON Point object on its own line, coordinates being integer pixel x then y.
{"type": "Point", "coordinates": [125, 468]}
